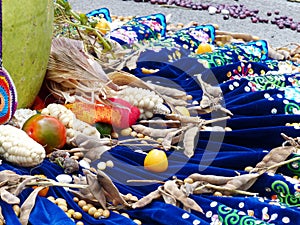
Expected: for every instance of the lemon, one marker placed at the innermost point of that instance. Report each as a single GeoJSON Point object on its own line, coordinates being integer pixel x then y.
{"type": "Point", "coordinates": [156, 161]}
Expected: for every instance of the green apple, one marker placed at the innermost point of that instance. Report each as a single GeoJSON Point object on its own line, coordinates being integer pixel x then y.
{"type": "Point", "coordinates": [26, 38]}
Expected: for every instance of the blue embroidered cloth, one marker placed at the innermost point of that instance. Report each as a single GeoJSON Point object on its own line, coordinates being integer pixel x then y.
{"type": "Point", "coordinates": [264, 103]}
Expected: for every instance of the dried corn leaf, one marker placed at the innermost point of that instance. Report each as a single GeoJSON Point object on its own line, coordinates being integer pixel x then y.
{"type": "Point", "coordinates": [9, 177]}
{"type": "Point", "coordinates": [212, 179]}
{"type": "Point", "coordinates": [96, 189]}
{"type": "Point", "coordinates": [169, 199]}
{"type": "Point", "coordinates": [28, 205]}
{"type": "Point", "coordinates": [130, 61]}
{"type": "Point", "coordinates": [275, 156]}
{"type": "Point", "coordinates": [146, 199]}
{"type": "Point", "coordinates": [185, 119]}
{"type": "Point", "coordinates": [8, 197]}
{"type": "Point", "coordinates": [189, 141]}
{"type": "Point", "coordinates": [188, 188]}
{"type": "Point", "coordinates": [171, 187]}
{"type": "Point", "coordinates": [167, 91]}
{"type": "Point", "coordinates": [168, 140]}
{"type": "Point", "coordinates": [162, 123]}
{"type": "Point", "coordinates": [110, 188]}
{"type": "Point", "coordinates": [152, 132]}
{"type": "Point", "coordinates": [72, 71]}
{"type": "Point", "coordinates": [1, 216]}
{"type": "Point", "coordinates": [242, 182]}
{"type": "Point", "coordinates": [175, 101]}
{"type": "Point", "coordinates": [21, 186]}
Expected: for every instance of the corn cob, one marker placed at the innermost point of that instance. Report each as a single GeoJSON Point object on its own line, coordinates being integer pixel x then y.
{"type": "Point", "coordinates": [20, 116]}
{"type": "Point", "coordinates": [18, 148]}
{"type": "Point", "coordinates": [120, 114]}
{"type": "Point", "coordinates": [147, 101]}
{"type": "Point", "coordinates": [69, 120]}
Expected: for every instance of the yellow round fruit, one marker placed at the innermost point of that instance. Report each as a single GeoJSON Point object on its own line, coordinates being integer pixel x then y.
{"type": "Point", "coordinates": [204, 48]}
{"type": "Point", "coordinates": [26, 38]}
{"type": "Point", "coordinates": [156, 161]}
{"type": "Point", "coordinates": [103, 26]}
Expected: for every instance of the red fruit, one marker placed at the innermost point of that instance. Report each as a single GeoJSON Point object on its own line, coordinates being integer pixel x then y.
{"type": "Point", "coordinates": [46, 130]}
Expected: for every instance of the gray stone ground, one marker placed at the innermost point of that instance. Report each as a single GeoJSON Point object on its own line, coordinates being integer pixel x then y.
{"type": "Point", "coordinates": [275, 36]}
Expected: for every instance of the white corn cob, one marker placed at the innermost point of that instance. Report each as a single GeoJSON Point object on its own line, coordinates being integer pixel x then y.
{"type": "Point", "coordinates": [69, 120]}
{"type": "Point", "coordinates": [146, 100]}
{"type": "Point", "coordinates": [20, 116]}
{"type": "Point", "coordinates": [18, 148]}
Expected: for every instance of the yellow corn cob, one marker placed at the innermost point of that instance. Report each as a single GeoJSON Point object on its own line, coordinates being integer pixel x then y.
{"type": "Point", "coordinates": [18, 148]}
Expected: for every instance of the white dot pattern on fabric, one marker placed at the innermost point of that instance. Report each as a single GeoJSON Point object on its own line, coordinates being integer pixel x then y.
{"type": "Point", "coordinates": [213, 204]}
{"type": "Point", "coordinates": [279, 96]}
{"type": "Point", "coordinates": [286, 220]}
{"type": "Point", "coordinates": [196, 222]}
{"type": "Point", "coordinates": [247, 89]}
{"type": "Point", "coordinates": [231, 87]}
{"type": "Point", "coordinates": [271, 99]}
{"type": "Point", "coordinates": [242, 204]}
{"type": "Point", "coordinates": [267, 95]}
{"type": "Point", "coordinates": [185, 216]}
{"type": "Point", "coordinates": [286, 101]}
{"type": "Point", "coordinates": [274, 111]}
{"type": "Point", "coordinates": [236, 84]}
{"type": "Point", "coordinates": [208, 214]}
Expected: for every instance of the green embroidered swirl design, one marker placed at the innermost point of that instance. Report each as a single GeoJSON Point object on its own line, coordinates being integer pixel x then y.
{"type": "Point", "coordinates": [229, 216]}
{"type": "Point", "coordinates": [267, 82]}
{"type": "Point", "coordinates": [294, 167]}
{"type": "Point", "coordinates": [290, 107]}
{"type": "Point", "coordinates": [283, 193]}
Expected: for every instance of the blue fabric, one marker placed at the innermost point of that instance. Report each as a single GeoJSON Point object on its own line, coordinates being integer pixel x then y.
{"type": "Point", "coordinates": [264, 105]}
{"type": "Point", "coordinates": [102, 12]}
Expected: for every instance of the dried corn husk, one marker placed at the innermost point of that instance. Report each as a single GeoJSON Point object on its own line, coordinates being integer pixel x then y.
{"type": "Point", "coordinates": [73, 74]}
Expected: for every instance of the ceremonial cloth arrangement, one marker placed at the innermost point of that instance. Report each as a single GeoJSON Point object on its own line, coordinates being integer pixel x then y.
{"type": "Point", "coordinates": [134, 123]}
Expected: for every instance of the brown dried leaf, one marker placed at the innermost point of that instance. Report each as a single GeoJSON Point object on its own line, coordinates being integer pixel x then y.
{"type": "Point", "coordinates": [152, 132]}
{"type": "Point", "coordinates": [188, 188]}
{"type": "Point", "coordinates": [110, 188]}
{"type": "Point", "coordinates": [212, 179]}
{"type": "Point", "coordinates": [167, 141]}
{"type": "Point", "coordinates": [9, 176]}
{"type": "Point", "coordinates": [8, 197]}
{"type": "Point", "coordinates": [23, 184]}
{"type": "Point", "coordinates": [169, 199]}
{"type": "Point", "coordinates": [28, 205]}
{"type": "Point", "coordinates": [87, 142]}
{"type": "Point", "coordinates": [96, 189]}
{"type": "Point", "coordinates": [167, 91]}
{"type": "Point", "coordinates": [242, 182]}
{"type": "Point", "coordinates": [1, 215]}
{"type": "Point", "coordinates": [171, 187]}
{"type": "Point", "coordinates": [185, 119]}
{"type": "Point", "coordinates": [276, 155]}
{"type": "Point", "coordinates": [147, 199]}
{"type": "Point", "coordinates": [189, 141]}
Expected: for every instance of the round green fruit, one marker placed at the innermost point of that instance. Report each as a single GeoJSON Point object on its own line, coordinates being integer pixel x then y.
{"type": "Point", "coordinates": [46, 130]}
{"type": "Point", "coordinates": [26, 37]}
